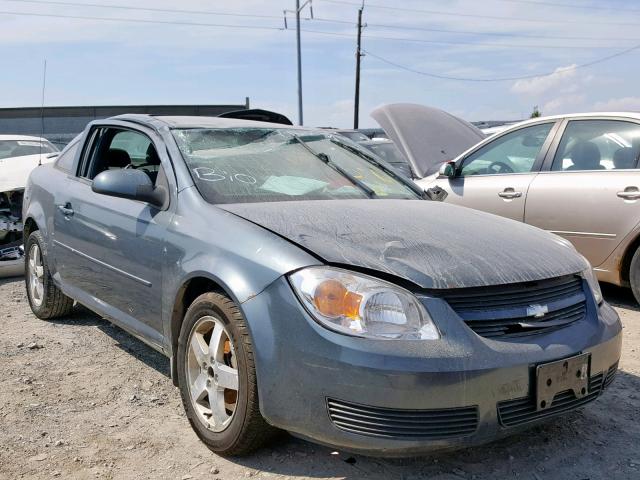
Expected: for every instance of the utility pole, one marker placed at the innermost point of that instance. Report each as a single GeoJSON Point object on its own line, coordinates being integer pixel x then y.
{"type": "Point", "coordinates": [356, 104]}
{"type": "Point", "coordinates": [297, 11]}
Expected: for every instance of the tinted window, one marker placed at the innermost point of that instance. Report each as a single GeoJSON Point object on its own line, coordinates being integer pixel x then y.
{"type": "Point", "coordinates": [598, 145]}
{"type": "Point", "coordinates": [262, 164]}
{"type": "Point", "coordinates": [65, 160]}
{"type": "Point", "coordinates": [514, 152]}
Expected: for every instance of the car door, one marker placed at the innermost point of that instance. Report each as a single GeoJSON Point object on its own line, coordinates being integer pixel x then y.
{"type": "Point", "coordinates": [109, 251]}
{"type": "Point", "coordinates": [496, 176]}
{"type": "Point", "coordinates": [589, 189]}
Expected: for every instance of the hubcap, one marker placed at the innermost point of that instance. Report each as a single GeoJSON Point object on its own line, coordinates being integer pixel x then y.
{"type": "Point", "coordinates": [212, 373]}
{"type": "Point", "coordinates": [35, 272]}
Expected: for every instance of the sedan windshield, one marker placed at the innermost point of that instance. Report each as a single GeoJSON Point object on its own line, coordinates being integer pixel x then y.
{"type": "Point", "coordinates": [242, 165]}
{"type": "Point", "coordinates": [21, 148]}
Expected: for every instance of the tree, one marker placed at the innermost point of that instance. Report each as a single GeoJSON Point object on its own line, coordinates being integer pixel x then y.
{"type": "Point", "coordinates": [536, 113]}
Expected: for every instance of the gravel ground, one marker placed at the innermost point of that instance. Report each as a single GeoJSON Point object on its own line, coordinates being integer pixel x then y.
{"type": "Point", "coordinates": [80, 398]}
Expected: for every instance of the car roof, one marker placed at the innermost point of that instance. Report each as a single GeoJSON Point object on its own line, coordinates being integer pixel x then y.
{"type": "Point", "coordinates": [22, 137]}
{"type": "Point", "coordinates": [196, 122]}
{"type": "Point", "coordinates": [633, 115]}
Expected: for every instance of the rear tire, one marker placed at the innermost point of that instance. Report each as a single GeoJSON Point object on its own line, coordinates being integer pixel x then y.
{"type": "Point", "coordinates": [45, 299]}
{"type": "Point", "coordinates": [634, 275]}
{"type": "Point", "coordinates": [231, 423]}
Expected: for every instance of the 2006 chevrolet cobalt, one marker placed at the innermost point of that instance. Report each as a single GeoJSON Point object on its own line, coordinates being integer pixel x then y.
{"type": "Point", "coordinates": [297, 283]}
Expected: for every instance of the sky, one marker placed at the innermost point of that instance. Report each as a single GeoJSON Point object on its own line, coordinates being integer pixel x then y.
{"type": "Point", "coordinates": [219, 52]}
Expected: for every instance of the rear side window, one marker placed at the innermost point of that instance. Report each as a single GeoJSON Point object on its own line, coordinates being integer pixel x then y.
{"type": "Point", "coordinates": [598, 145]}
{"type": "Point", "coordinates": [514, 152]}
{"type": "Point", "coordinates": [65, 160]}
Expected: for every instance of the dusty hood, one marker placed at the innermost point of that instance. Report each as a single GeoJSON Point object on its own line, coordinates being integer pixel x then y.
{"type": "Point", "coordinates": [15, 171]}
{"type": "Point", "coordinates": [427, 136]}
{"type": "Point", "coordinates": [431, 244]}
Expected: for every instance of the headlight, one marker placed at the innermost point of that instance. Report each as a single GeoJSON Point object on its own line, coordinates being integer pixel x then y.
{"type": "Point", "coordinates": [591, 279]}
{"type": "Point", "coordinates": [362, 306]}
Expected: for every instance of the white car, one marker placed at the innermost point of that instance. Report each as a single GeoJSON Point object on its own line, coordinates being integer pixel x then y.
{"type": "Point", "coordinates": [19, 155]}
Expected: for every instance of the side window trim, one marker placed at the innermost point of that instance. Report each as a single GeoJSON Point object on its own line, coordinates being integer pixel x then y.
{"type": "Point", "coordinates": [537, 163]}
{"type": "Point", "coordinates": [89, 147]}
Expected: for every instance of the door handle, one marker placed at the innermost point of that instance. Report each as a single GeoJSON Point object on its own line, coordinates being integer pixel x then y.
{"type": "Point", "coordinates": [66, 210]}
{"type": "Point", "coordinates": [630, 193]}
{"type": "Point", "coordinates": [509, 193]}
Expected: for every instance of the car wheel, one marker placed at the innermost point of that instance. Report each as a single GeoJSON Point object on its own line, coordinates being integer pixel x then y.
{"type": "Point", "coordinates": [46, 300]}
{"type": "Point", "coordinates": [634, 275]}
{"type": "Point", "coordinates": [217, 377]}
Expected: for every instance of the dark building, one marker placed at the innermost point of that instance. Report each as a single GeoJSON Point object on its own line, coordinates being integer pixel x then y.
{"type": "Point", "coordinates": [61, 124]}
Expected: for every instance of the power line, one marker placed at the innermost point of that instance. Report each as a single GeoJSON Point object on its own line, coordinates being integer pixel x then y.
{"type": "Point", "coordinates": [142, 9]}
{"type": "Point", "coordinates": [462, 42]}
{"type": "Point", "coordinates": [132, 20]}
{"type": "Point", "coordinates": [573, 5]}
{"type": "Point", "coordinates": [486, 17]}
{"type": "Point", "coordinates": [502, 79]}
{"type": "Point", "coordinates": [318, 32]}
{"type": "Point", "coordinates": [470, 32]}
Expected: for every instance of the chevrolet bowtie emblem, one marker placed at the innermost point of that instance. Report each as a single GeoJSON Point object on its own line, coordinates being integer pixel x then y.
{"type": "Point", "coordinates": [537, 311]}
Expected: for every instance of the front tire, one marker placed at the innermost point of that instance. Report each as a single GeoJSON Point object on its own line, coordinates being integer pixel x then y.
{"type": "Point", "coordinates": [45, 299]}
{"type": "Point", "coordinates": [634, 275]}
{"type": "Point", "coordinates": [217, 377]}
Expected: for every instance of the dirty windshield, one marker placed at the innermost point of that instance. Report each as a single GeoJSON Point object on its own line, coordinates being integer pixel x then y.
{"type": "Point", "coordinates": [22, 148]}
{"type": "Point", "coordinates": [242, 165]}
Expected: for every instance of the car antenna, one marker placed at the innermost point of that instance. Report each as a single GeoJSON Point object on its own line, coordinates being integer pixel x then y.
{"type": "Point", "coordinates": [44, 86]}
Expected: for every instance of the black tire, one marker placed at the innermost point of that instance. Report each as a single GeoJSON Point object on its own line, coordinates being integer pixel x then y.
{"type": "Point", "coordinates": [247, 430]}
{"type": "Point", "coordinates": [54, 304]}
{"type": "Point", "coordinates": [634, 275]}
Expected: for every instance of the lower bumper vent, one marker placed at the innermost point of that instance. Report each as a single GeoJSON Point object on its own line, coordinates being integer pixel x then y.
{"type": "Point", "coordinates": [403, 424]}
{"type": "Point", "coordinates": [523, 410]}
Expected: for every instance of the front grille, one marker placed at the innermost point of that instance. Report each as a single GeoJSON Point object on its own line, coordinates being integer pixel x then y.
{"type": "Point", "coordinates": [523, 410]}
{"type": "Point", "coordinates": [509, 310]}
{"type": "Point", "coordinates": [401, 423]}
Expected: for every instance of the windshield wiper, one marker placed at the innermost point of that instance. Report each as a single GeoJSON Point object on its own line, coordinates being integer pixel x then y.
{"type": "Point", "coordinates": [389, 171]}
{"type": "Point", "coordinates": [324, 158]}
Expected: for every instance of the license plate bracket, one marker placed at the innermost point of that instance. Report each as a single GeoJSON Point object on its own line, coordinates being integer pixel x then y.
{"type": "Point", "coordinates": [559, 376]}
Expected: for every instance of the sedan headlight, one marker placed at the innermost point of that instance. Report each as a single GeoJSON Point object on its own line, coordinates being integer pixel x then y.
{"type": "Point", "coordinates": [591, 279]}
{"type": "Point", "coordinates": [362, 306]}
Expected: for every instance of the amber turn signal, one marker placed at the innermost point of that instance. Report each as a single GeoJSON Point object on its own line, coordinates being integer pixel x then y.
{"type": "Point", "coordinates": [333, 300]}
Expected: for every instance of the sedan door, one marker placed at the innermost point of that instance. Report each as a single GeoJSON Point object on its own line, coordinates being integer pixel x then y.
{"type": "Point", "coordinates": [496, 177]}
{"type": "Point", "coordinates": [110, 250]}
{"type": "Point", "coordinates": [589, 191]}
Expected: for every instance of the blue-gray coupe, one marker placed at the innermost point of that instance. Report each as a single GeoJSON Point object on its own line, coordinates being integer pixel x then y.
{"type": "Point", "coordinates": [296, 282]}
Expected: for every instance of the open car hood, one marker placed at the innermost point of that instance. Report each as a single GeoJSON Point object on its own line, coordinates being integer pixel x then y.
{"type": "Point", "coordinates": [426, 136]}
{"type": "Point", "coordinates": [431, 244]}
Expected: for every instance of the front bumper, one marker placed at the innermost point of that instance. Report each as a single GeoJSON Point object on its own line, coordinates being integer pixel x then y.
{"type": "Point", "coordinates": [305, 372]}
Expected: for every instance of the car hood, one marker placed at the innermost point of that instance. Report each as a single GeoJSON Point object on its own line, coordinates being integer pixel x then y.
{"type": "Point", "coordinates": [431, 244]}
{"type": "Point", "coordinates": [427, 136]}
{"type": "Point", "coordinates": [14, 171]}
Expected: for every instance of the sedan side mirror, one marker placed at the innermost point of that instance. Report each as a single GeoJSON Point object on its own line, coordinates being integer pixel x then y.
{"type": "Point", "coordinates": [448, 169]}
{"type": "Point", "coordinates": [129, 183]}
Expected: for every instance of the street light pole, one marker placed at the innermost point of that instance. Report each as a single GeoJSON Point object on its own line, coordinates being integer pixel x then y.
{"type": "Point", "coordinates": [356, 103]}
{"type": "Point", "coordinates": [300, 119]}
{"type": "Point", "coordinates": [297, 11]}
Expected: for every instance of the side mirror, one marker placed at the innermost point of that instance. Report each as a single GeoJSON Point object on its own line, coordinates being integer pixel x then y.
{"type": "Point", "coordinates": [129, 183]}
{"type": "Point", "coordinates": [448, 169]}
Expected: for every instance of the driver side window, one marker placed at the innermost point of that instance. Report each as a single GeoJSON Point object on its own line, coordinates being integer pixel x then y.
{"type": "Point", "coordinates": [116, 148]}
{"type": "Point", "coordinates": [515, 152]}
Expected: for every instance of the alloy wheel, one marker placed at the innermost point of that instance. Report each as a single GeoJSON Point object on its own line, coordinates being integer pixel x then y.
{"type": "Point", "coordinates": [35, 272]}
{"type": "Point", "coordinates": [212, 373]}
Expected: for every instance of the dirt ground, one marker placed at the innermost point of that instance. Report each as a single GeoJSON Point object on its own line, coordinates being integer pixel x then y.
{"type": "Point", "coordinates": [80, 398]}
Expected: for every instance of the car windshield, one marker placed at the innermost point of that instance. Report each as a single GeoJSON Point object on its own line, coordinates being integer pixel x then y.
{"type": "Point", "coordinates": [244, 165]}
{"type": "Point", "coordinates": [21, 148]}
{"type": "Point", "coordinates": [390, 154]}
